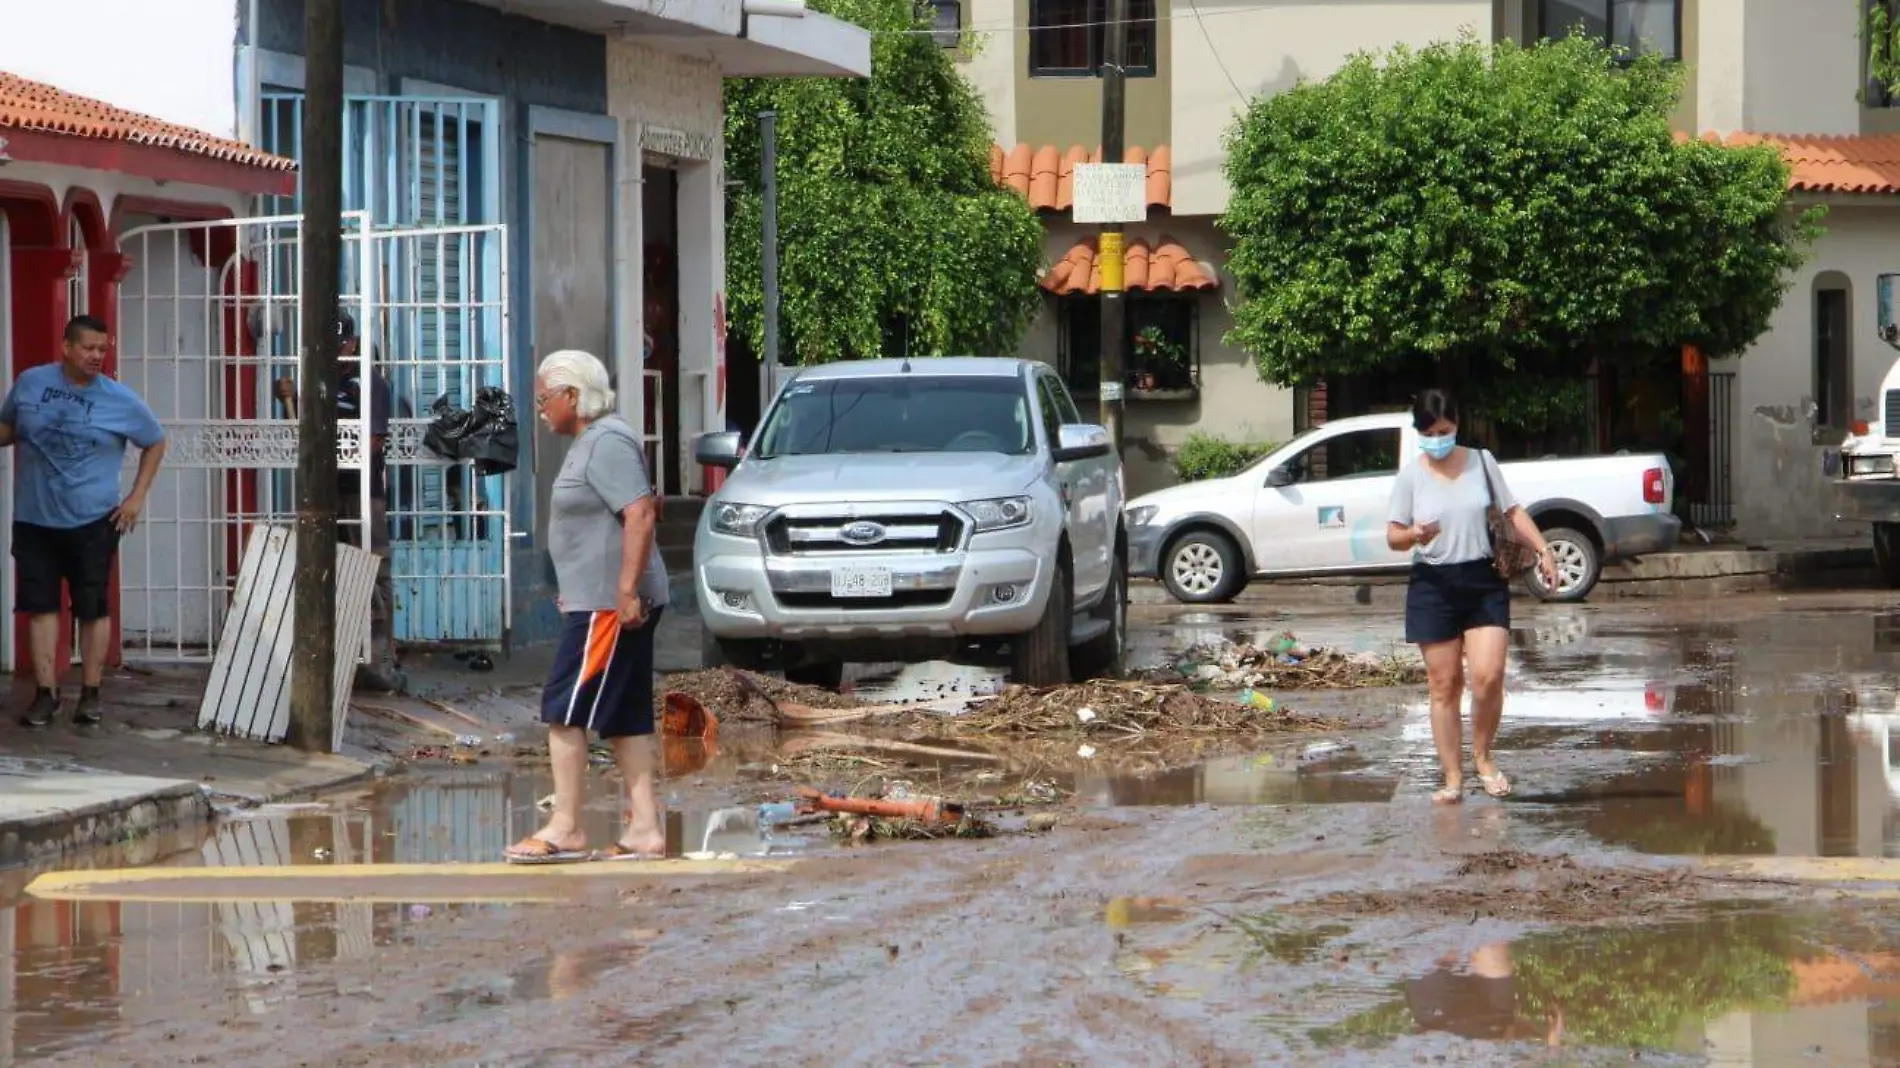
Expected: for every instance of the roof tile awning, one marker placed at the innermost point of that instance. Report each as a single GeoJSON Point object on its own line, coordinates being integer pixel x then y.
{"type": "Point", "coordinates": [43, 124]}
{"type": "Point", "coordinates": [1167, 268]}
{"type": "Point", "coordinates": [1045, 175]}
{"type": "Point", "coordinates": [1833, 163]}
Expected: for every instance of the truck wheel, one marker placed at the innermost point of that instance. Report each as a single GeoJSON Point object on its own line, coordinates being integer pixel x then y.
{"type": "Point", "coordinates": [1579, 565]}
{"type": "Point", "coordinates": [720, 652]}
{"type": "Point", "coordinates": [1102, 657]}
{"type": "Point", "coordinates": [1203, 567]}
{"type": "Point", "coordinates": [826, 675]}
{"type": "Point", "coordinates": [1887, 552]}
{"type": "Point", "coordinates": [1041, 657]}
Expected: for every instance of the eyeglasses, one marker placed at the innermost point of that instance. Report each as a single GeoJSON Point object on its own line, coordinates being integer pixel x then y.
{"type": "Point", "coordinates": [541, 399]}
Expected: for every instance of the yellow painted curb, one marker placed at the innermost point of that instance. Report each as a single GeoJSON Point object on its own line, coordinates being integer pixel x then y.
{"type": "Point", "coordinates": [369, 883]}
{"type": "Point", "coordinates": [1805, 869]}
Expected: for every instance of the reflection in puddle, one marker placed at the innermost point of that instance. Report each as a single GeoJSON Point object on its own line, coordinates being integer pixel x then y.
{"type": "Point", "coordinates": [74, 972]}
{"type": "Point", "coordinates": [1266, 779]}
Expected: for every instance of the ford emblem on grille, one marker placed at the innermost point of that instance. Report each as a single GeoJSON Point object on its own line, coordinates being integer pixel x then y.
{"type": "Point", "coordinates": [862, 532]}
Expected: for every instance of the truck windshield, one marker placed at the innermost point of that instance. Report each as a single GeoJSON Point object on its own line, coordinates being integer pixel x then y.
{"type": "Point", "coordinates": [908, 413]}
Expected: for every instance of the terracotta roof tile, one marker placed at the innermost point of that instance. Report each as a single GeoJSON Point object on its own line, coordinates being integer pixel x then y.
{"type": "Point", "coordinates": [1833, 163]}
{"type": "Point", "coordinates": [36, 106]}
{"type": "Point", "coordinates": [1167, 268]}
{"type": "Point", "coordinates": [1044, 174]}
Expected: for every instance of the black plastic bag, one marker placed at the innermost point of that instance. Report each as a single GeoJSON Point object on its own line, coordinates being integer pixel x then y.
{"type": "Point", "coordinates": [448, 429]}
{"type": "Point", "coordinates": [493, 441]}
{"type": "Point", "coordinates": [487, 435]}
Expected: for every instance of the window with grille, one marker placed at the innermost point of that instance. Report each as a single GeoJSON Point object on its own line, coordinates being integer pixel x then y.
{"type": "Point", "coordinates": [1069, 39]}
{"type": "Point", "coordinates": [76, 301]}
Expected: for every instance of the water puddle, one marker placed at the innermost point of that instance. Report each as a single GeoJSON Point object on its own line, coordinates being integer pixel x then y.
{"type": "Point", "coordinates": [1738, 987]}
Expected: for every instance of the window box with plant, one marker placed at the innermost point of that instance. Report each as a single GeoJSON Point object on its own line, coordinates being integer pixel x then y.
{"type": "Point", "coordinates": [1159, 362]}
{"type": "Point", "coordinates": [1160, 365]}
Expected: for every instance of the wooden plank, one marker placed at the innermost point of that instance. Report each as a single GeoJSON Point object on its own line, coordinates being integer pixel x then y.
{"type": "Point", "coordinates": [248, 693]}
{"type": "Point", "coordinates": [355, 585]}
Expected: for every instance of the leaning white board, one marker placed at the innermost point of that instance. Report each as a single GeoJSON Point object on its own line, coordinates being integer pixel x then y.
{"type": "Point", "coordinates": [248, 694]}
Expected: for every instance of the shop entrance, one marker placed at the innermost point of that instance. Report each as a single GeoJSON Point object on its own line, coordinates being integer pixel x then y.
{"type": "Point", "coordinates": [660, 290]}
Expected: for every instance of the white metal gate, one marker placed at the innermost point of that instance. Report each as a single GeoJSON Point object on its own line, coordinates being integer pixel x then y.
{"type": "Point", "coordinates": [209, 325]}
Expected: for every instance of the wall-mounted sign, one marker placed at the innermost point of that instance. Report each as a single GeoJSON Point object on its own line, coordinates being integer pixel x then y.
{"type": "Point", "coordinates": [678, 143]}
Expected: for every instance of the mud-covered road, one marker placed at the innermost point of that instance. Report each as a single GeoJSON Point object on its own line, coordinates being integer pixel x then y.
{"type": "Point", "coordinates": [1252, 908]}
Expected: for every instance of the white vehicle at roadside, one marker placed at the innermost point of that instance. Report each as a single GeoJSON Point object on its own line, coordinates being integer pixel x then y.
{"type": "Point", "coordinates": [1316, 506]}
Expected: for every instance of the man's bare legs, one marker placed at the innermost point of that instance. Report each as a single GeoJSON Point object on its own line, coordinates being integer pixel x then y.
{"type": "Point", "coordinates": [639, 758]}
{"type": "Point", "coordinates": [43, 636]}
{"type": "Point", "coordinates": [567, 752]}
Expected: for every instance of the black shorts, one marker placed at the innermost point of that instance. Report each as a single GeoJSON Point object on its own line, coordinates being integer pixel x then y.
{"type": "Point", "coordinates": [79, 558]}
{"type": "Point", "coordinates": [602, 678]}
{"type": "Point", "coordinates": [1444, 601]}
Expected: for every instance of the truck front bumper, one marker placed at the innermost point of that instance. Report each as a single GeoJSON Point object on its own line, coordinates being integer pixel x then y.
{"type": "Point", "coordinates": [988, 592]}
{"type": "Point", "coordinates": [1867, 500]}
{"type": "Point", "coordinates": [1639, 535]}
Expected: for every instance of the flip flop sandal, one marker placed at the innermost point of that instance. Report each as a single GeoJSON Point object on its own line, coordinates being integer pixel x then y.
{"type": "Point", "coordinates": [1496, 785]}
{"type": "Point", "coordinates": [1446, 795]}
{"type": "Point", "coordinates": [542, 851]}
{"type": "Point", "coordinates": [620, 852]}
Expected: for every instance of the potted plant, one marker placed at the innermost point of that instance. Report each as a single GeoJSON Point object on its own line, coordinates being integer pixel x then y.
{"type": "Point", "coordinates": [1154, 349]}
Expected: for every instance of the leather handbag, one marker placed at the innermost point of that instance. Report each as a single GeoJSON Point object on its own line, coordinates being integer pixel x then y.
{"type": "Point", "coordinates": [1510, 554]}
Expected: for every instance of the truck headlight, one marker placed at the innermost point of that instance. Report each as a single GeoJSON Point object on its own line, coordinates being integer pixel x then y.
{"type": "Point", "coordinates": [1869, 465]}
{"type": "Point", "coordinates": [738, 520]}
{"type": "Point", "coordinates": [998, 513]}
{"type": "Point", "coordinates": [1139, 517]}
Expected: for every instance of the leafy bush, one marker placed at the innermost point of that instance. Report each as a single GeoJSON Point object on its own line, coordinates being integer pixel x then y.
{"type": "Point", "coordinates": [1204, 456]}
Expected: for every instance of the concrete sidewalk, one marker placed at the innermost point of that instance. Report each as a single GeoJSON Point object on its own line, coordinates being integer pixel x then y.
{"type": "Point", "coordinates": [1690, 571]}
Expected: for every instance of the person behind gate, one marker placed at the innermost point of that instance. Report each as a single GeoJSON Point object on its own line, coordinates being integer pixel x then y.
{"type": "Point", "coordinates": [383, 673]}
{"type": "Point", "coordinates": [71, 423]}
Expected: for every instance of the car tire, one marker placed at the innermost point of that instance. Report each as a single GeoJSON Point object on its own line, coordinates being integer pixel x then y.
{"type": "Point", "coordinates": [723, 652]}
{"type": "Point", "coordinates": [825, 674]}
{"type": "Point", "coordinates": [1203, 567]}
{"type": "Point", "coordinates": [1041, 657]}
{"type": "Point", "coordinates": [1887, 553]}
{"type": "Point", "coordinates": [1579, 565]}
{"type": "Point", "coordinates": [1104, 656]}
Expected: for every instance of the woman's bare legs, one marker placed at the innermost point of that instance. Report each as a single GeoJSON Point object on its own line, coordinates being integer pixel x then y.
{"type": "Point", "coordinates": [1444, 670]}
{"type": "Point", "coordinates": [1485, 649]}
{"type": "Point", "coordinates": [639, 760]}
{"type": "Point", "coordinates": [567, 752]}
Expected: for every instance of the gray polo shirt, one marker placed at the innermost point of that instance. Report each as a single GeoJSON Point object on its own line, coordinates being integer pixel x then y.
{"type": "Point", "coordinates": [604, 472]}
{"type": "Point", "coordinates": [1458, 504]}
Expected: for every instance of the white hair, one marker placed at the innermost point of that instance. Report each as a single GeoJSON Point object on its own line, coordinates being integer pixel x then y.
{"type": "Point", "coordinates": [583, 373]}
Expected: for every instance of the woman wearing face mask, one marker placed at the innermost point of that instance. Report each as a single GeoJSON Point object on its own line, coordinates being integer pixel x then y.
{"type": "Point", "coordinates": [1457, 607]}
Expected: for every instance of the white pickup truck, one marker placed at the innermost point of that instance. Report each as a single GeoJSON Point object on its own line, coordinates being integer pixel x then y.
{"type": "Point", "coordinates": [1316, 506]}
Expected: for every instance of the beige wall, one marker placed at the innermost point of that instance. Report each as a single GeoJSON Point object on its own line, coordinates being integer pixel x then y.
{"type": "Point", "coordinates": [1770, 66]}
{"type": "Point", "coordinates": [1267, 46]}
{"type": "Point", "coordinates": [1233, 402]}
{"type": "Point", "coordinates": [1780, 488]}
{"type": "Point", "coordinates": [1068, 111]}
{"type": "Point", "coordinates": [989, 61]}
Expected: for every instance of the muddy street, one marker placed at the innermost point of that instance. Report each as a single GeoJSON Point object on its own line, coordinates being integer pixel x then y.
{"type": "Point", "coordinates": [1294, 899]}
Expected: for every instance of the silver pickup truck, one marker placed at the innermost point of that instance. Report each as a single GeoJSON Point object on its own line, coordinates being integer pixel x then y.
{"type": "Point", "coordinates": [898, 511]}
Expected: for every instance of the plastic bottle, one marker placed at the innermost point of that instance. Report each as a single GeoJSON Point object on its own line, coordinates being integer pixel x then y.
{"type": "Point", "coordinates": [777, 812]}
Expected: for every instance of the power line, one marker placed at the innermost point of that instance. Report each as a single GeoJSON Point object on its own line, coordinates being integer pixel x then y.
{"type": "Point", "coordinates": [1214, 50]}
{"type": "Point", "coordinates": [925, 31]}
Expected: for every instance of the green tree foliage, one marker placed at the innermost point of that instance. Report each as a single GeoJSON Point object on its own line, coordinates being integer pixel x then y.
{"type": "Point", "coordinates": [893, 237]}
{"type": "Point", "coordinates": [1497, 208]}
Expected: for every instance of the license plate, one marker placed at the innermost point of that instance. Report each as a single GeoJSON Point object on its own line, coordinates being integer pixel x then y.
{"type": "Point", "coordinates": [860, 582]}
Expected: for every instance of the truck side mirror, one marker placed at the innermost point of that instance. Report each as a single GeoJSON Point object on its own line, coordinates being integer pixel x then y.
{"type": "Point", "coordinates": [719, 450]}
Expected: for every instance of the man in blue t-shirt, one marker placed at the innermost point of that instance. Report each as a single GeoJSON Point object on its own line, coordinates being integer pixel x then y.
{"type": "Point", "coordinates": [71, 424]}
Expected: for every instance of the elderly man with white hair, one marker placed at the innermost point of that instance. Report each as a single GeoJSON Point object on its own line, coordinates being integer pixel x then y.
{"type": "Point", "coordinates": [612, 587]}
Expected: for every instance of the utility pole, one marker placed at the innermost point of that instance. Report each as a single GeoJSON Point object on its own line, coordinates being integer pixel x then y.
{"type": "Point", "coordinates": [1109, 246]}
{"type": "Point", "coordinates": [768, 253]}
{"type": "Point", "coordinates": [313, 663]}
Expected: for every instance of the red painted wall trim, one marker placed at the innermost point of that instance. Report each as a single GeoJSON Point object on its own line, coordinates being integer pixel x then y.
{"type": "Point", "coordinates": [147, 161]}
{"type": "Point", "coordinates": [83, 204]}
{"type": "Point", "coordinates": [31, 229]}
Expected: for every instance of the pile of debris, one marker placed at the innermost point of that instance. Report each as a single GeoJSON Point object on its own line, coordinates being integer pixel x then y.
{"type": "Point", "coordinates": [1283, 663]}
{"type": "Point", "coordinates": [732, 695]}
{"type": "Point", "coordinates": [1107, 706]}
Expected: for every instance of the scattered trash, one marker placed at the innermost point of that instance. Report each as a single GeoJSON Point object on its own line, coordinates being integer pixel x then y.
{"type": "Point", "coordinates": [1255, 699]}
{"type": "Point", "coordinates": [1324, 751]}
{"type": "Point", "coordinates": [919, 809]}
{"type": "Point", "coordinates": [706, 854]}
{"type": "Point", "coordinates": [777, 812]}
{"type": "Point", "coordinates": [737, 696]}
{"type": "Point", "coordinates": [321, 853]}
{"type": "Point", "coordinates": [685, 716]}
{"type": "Point", "coordinates": [1042, 822]}
{"type": "Point", "coordinates": [468, 741]}
{"type": "Point", "coordinates": [420, 912]}
{"type": "Point", "coordinates": [1085, 752]}
{"type": "Point", "coordinates": [1283, 663]}
{"type": "Point", "coordinates": [481, 662]}
{"type": "Point", "coordinates": [505, 738]}
{"type": "Point", "coordinates": [545, 803]}
{"type": "Point", "coordinates": [1085, 714]}
{"type": "Point", "coordinates": [861, 829]}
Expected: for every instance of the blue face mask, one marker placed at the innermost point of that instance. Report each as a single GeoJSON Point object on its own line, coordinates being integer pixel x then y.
{"type": "Point", "coordinates": [1437, 447]}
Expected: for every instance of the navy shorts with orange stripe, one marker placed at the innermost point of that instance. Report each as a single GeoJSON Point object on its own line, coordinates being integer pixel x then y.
{"type": "Point", "coordinates": [602, 678]}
